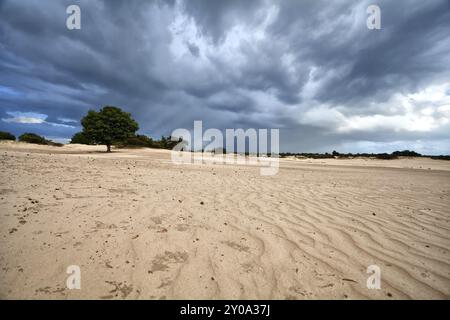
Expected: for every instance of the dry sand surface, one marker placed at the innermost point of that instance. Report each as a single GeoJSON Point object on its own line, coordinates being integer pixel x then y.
{"type": "Point", "coordinates": [141, 227]}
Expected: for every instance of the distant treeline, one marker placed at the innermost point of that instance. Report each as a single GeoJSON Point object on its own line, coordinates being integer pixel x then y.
{"type": "Point", "coordinates": [143, 141]}
{"type": "Point", "coordinates": [441, 157]}
{"type": "Point", "coordinates": [137, 141]}
{"type": "Point", "coordinates": [383, 156]}
{"type": "Point", "coordinates": [7, 136]}
{"type": "Point", "coordinates": [30, 138]}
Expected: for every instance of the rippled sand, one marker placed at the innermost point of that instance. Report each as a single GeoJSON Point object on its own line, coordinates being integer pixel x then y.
{"type": "Point", "coordinates": [141, 227]}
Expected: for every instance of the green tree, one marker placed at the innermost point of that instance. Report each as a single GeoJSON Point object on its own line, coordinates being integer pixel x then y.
{"type": "Point", "coordinates": [108, 126]}
{"type": "Point", "coordinates": [81, 138]}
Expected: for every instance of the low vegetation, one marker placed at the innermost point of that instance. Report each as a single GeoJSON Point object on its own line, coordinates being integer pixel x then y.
{"type": "Point", "coordinates": [383, 156]}
{"type": "Point", "coordinates": [441, 157]}
{"type": "Point", "coordinates": [137, 141]}
{"type": "Point", "coordinates": [112, 126]}
{"type": "Point", "coordinates": [142, 141]}
{"type": "Point", "coordinates": [335, 155]}
{"type": "Point", "coordinates": [36, 139]}
{"type": "Point", "coordinates": [7, 136]}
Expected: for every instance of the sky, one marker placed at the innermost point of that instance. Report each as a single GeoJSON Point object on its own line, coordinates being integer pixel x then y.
{"type": "Point", "coordinates": [311, 68]}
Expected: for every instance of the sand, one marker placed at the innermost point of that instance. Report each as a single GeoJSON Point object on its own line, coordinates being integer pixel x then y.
{"type": "Point", "coordinates": [140, 227]}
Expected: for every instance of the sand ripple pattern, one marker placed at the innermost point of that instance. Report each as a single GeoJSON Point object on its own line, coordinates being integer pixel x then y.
{"type": "Point", "coordinates": [141, 227]}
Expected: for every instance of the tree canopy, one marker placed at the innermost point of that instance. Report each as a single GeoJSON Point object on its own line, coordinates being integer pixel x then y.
{"type": "Point", "coordinates": [81, 138]}
{"type": "Point", "coordinates": [109, 125]}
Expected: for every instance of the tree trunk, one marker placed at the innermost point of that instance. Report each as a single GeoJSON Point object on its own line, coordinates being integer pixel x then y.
{"type": "Point", "coordinates": [108, 148]}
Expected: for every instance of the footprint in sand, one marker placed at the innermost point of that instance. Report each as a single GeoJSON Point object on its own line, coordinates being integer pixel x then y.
{"type": "Point", "coordinates": [121, 288]}
{"type": "Point", "coordinates": [236, 246]}
{"type": "Point", "coordinates": [162, 261]}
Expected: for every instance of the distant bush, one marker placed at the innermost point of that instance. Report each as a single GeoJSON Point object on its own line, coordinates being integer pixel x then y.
{"type": "Point", "coordinates": [36, 139]}
{"type": "Point", "coordinates": [385, 156]}
{"type": "Point", "coordinates": [335, 154]}
{"type": "Point", "coordinates": [138, 141]}
{"type": "Point", "coordinates": [81, 138]}
{"type": "Point", "coordinates": [406, 153]}
{"type": "Point", "coordinates": [6, 136]}
{"type": "Point", "coordinates": [142, 141]}
{"type": "Point", "coordinates": [166, 143]}
{"type": "Point", "coordinates": [441, 157]}
{"type": "Point", "coordinates": [32, 138]}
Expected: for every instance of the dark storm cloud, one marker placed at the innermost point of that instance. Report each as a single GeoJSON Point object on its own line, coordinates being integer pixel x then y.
{"type": "Point", "coordinates": [216, 17]}
{"type": "Point", "coordinates": [311, 68]}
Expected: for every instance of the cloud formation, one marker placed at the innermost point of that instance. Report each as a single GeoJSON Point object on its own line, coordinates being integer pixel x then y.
{"type": "Point", "coordinates": [311, 68]}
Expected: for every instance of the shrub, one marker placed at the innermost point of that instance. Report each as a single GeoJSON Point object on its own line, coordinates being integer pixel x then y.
{"type": "Point", "coordinates": [441, 157]}
{"type": "Point", "coordinates": [36, 139]}
{"type": "Point", "coordinates": [32, 138]}
{"type": "Point", "coordinates": [6, 136]}
{"type": "Point", "coordinates": [138, 141]}
{"type": "Point", "coordinates": [406, 153]}
{"type": "Point", "coordinates": [385, 156]}
{"type": "Point", "coordinates": [166, 143]}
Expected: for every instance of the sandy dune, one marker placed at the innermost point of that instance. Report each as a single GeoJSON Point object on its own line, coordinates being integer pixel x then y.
{"type": "Point", "coordinates": [141, 227]}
